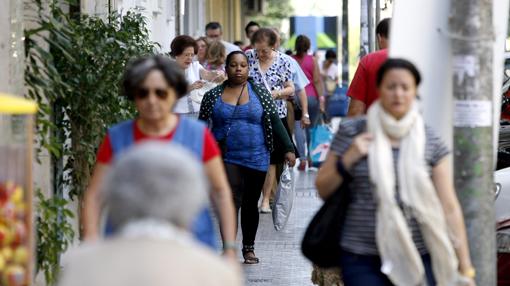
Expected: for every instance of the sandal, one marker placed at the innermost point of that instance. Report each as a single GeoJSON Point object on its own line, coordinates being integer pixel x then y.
{"type": "Point", "coordinates": [249, 255]}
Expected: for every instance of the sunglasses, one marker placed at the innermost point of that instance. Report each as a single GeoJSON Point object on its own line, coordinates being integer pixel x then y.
{"type": "Point", "coordinates": [143, 93]}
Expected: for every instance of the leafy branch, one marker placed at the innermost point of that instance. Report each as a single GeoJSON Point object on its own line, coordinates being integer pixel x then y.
{"type": "Point", "coordinates": [74, 64]}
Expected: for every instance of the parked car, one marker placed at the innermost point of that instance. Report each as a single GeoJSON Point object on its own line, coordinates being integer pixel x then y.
{"type": "Point", "coordinates": [503, 242]}
{"type": "Point", "coordinates": [502, 179]}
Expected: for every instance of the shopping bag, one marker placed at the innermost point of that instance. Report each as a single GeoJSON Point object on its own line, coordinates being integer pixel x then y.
{"type": "Point", "coordinates": [198, 94]}
{"type": "Point", "coordinates": [284, 198]}
{"type": "Point", "coordinates": [320, 140]}
{"type": "Point", "coordinates": [337, 103]}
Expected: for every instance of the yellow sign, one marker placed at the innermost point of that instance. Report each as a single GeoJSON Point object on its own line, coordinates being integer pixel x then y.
{"type": "Point", "coordinates": [10, 104]}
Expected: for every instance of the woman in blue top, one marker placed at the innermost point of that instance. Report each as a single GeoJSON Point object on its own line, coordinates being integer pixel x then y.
{"type": "Point", "coordinates": [244, 119]}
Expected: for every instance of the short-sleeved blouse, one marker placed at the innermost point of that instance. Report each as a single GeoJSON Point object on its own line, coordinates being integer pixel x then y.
{"type": "Point", "coordinates": [185, 105]}
{"type": "Point", "coordinates": [358, 235]}
{"type": "Point", "coordinates": [274, 78]}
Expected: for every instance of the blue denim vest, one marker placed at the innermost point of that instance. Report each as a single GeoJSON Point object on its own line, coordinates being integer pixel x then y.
{"type": "Point", "coordinates": [190, 135]}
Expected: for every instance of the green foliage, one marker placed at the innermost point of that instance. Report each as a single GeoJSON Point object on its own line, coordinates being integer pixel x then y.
{"type": "Point", "coordinates": [274, 12]}
{"type": "Point", "coordinates": [54, 234]}
{"type": "Point", "coordinates": [74, 68]}
{"type": "Point", "coordinates": [78, 79]}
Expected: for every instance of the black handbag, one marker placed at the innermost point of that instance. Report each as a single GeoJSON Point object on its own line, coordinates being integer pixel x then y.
{"type": "Point", "coordinates": [321, 243]}
{"type": "Point", "coordinates": [298, 111]}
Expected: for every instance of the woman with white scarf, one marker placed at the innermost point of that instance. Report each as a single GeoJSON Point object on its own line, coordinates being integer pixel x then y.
{"type": "Point", "coordinates": [404, 225]}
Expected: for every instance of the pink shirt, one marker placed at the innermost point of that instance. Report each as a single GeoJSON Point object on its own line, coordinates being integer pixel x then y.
{"type": "Point", "coordinates": [307, 65]}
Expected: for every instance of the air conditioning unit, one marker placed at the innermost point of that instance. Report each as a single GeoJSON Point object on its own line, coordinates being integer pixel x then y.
{"type": "Point", "coordinates": [254, 6]}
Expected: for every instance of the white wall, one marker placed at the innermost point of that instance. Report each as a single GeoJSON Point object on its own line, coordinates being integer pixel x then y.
{"type": "Point", "coordinates": [11, 47]}
{"type": "Point", "coordinates": [160, 14]}
{"type": "Point", "coordinates": [419, 32]}
{"type": "Point", "coordinates": [194, 19]}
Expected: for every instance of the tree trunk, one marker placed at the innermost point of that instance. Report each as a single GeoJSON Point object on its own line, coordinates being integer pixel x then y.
{"type": "Point", "coordinates": [471, 32]}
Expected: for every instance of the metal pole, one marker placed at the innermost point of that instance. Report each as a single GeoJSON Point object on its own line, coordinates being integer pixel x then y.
{"type": "Point", "coordinates": [471, 34]}
{"type": "Point", "coordinates": [344, 55]}
{"type": "Point", "coordinates": [371, 25]}
{"type": "Point", "coordinates": [177, 17]}
{"type": "Point", "coordinates": [339, 37]}
{"type": "Point", "coordinates": [377, 11]}
{"type": "Point", "coordinates": [364, 46]}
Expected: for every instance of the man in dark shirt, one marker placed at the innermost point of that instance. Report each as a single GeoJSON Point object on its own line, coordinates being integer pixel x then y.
{"type": "Point", "coordinates": [214, 32]}
{"type": "Point", "coordinates": [250, 29]}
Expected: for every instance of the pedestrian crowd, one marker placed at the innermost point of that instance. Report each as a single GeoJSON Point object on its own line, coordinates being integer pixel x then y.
{"type": "Point", "coordinates": [218, 123]}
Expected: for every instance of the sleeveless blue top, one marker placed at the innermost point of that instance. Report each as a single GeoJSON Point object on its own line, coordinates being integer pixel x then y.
{"type": "Point", "coordinates": [246, 145]}
{"type": "Point", "coordinates": [189, 134]}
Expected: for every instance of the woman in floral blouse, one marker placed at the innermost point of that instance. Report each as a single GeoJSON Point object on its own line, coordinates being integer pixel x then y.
{"type": "Point", "coordinates": [268, 67]}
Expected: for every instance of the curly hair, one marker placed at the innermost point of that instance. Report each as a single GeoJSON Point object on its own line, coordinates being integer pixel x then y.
{"type": "Point", "coordinates": [182, 42]}
{"type": "Point", "coordinates": [216, 53]}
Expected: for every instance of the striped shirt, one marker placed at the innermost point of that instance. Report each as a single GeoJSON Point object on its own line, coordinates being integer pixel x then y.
{"type": "Point", "coordinates": [358, 234]}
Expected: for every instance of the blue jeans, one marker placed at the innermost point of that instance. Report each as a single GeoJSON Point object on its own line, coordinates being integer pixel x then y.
{"type": "Point", "coordinates": [314, 111]}
{"type": "Point", "coordinates": [299, 135]}
{"type": "Point", "coordinates": [361, 270]}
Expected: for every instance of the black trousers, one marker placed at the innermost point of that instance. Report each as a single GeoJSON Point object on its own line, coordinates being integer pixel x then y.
{"type": "Point", "coordinates": [246, 185]}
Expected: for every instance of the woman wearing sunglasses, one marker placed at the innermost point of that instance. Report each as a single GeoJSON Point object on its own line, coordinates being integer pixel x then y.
{"type": "Point", "coordinates": [243, 118]}
{"type": "Point", "coordinates": [154, 84]}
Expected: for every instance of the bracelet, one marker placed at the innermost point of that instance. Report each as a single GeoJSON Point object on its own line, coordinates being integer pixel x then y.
{"type": "Point", "coordinates": [229, 245]}
{"type": "Point", "coordinates": [469, 273]}
{"type": "Point", "coordinates": [306, 115]}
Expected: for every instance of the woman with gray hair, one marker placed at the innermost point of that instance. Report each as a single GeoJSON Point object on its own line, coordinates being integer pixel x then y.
{"type": "Point", "coordinates": [154, 84]}
{"type": "Point", "coordinates": [152, 193]}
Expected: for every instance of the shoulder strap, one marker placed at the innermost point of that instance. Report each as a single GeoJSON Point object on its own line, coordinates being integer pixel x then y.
{"type": "Point", "coordinates": [190, 135]}
{"type": "Point", "coordinates": [234, 112]}
{"type": "Point", "coordinates": [121, 136]}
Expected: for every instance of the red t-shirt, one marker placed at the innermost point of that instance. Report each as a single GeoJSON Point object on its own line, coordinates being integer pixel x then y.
{"type": "Point", "coordinates": [363, 86]}
{"type": "Point", "coordinates": [105, 152]}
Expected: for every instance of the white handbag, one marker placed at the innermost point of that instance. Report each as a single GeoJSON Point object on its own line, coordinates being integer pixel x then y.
{"type": "Point", "coordinates": [198, 94]}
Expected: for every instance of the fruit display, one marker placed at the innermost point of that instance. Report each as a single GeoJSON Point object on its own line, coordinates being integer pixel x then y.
{"type": "Point", "coordinates": [14, 232]}
{"type": "Point", "coordinates": [16, 193]}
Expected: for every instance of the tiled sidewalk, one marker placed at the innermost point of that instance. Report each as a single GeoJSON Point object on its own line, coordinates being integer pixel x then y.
{"type": "Point", "coordinates": [281, 261]}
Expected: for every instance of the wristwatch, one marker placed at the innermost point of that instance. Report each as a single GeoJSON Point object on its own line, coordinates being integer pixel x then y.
{"type": "Point", "coordinates": [306, 115]}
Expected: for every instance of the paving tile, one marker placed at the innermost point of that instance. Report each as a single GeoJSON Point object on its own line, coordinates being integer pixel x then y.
{"type": "Point", "coordinates": [281, 261]}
